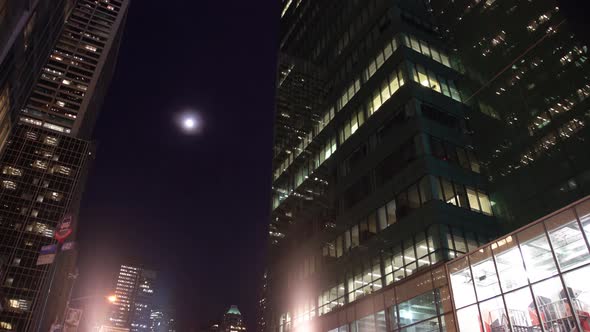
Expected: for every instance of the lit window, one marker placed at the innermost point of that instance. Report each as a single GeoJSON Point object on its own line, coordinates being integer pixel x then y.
{"type": "Point", "coordinates": [61, 169]}
{"type": "Point", "coordinates": [55, 196]}
{"type": "Point", "coordinates": [31, 121]}
{"type": "Point", "coordinates": [40, 164]}
{"type": "Point", "coordinates": [6, 326]}
{"type": "Point", "coordinates": [12, 171]}
{"type": "Point", "coordinates": [50, 140]}
{"type": "Point", "coordinates": [55, 127]}
{"type": "Point", "coordinates": [7, 184]}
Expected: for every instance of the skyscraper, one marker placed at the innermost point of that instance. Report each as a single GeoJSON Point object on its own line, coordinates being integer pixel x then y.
{"type": "Point", "coordinates": [375, 179]}
{"type": "Point", "coordinates": [46, 155]}
{"type": "Point", "coordinates": [528, 82]}
{"type": "Point", "coordinates": [232, 321]}
{"type": "Point", "coordinates": [28, 30]}
{"type": "Point", "coordinates": [134, 289]}
{"type": "Point", "coordinates": [82, 61]}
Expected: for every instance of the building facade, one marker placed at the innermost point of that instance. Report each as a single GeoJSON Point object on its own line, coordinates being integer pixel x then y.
{"type": "Point", "coordinates": [377, 180]}
{"type": "Point", "coordinates": [232, 321]}
{"type": "Point", "coordinates": [527, 74]}
{"type": "Point", "coordinates": [434, 117]}
{"type": "Point", "coordinates": [45, 160]}
{"type": "Point", "coordinates": [134, 291]}
{"type": "Point", "coordinates": [533, 279]}
{"type": "Point", "coordinates": [28, 30]}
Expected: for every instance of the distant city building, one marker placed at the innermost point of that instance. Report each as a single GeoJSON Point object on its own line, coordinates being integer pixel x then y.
{"type": "Point", "coordinates": [262, 304]}
{"type": "Point", "coordinates": [162, 320]}
{"type": "Point", "coordinates": [135, 299]}
{"type": "Point", "coordinates": [56, 61]}
{"type": "Point", "coordinates": [232, 321]}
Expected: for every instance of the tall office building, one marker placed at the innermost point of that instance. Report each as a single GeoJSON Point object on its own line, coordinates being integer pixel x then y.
{"type": "Point", "coordinates": [375, 181]}
{"type": "Point", "coordinates": [46, 155]}
{"type": "Point", "coordinates": [134, 290]}
{"type": "Point", "coordinates": [28, 30]}
{"type": "Point", "coordinates": [528, 75]}
{"type": "Point", "coordinates": [232, 321]}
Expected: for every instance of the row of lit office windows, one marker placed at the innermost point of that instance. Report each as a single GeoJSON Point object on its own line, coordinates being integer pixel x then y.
{"type": "Point", "coordinates": [413, 197]}
{"type": "Point", "coordinates": [392, 265]}
{"type": "Point", "coordinates": [378, 98]}
{"type": "Point", "coordinates": [446, 87]}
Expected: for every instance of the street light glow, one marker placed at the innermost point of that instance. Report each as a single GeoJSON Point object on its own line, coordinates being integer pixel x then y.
{"type": "Point", "coordinates": [112, 298]}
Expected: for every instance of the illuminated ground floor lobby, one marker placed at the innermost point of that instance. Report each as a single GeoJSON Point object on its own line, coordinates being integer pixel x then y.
{"type": "Point", "coordinates": [534, 279]}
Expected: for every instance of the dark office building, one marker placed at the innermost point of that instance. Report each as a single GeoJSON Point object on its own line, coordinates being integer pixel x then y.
{"type": "Point", "coordinates": [28, 30]}
{"type": "Point", "coordinates": [528, 80]}
{"type": "Point", "coordinates": [375, 181]}
{"type": "Point", "coordinates": [46, 156]}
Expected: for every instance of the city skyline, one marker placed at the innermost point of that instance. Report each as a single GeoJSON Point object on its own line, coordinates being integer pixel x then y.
{"type": "Point", "coordinates": [331, 166]}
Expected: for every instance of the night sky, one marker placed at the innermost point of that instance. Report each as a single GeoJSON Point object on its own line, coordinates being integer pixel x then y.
{"type": "Point", "coordinates": [193, 207]}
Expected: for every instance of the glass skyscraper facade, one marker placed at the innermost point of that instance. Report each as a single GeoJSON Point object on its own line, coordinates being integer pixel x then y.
{"type": "Point", "coordinates": [83, 57]}
{"type": "Point", "coordinates": [45, 159]}
{"type": "Point", "coordinates": [41, 174]}
{"type": "Point", "coordinates": [406, 134]}
{"type": "Point", "coordinates": [534, 279]}
{"type": "Point", "coordinates": [528, 83]}
{"type": "Point", "coordinates": [375, 178]}
{"type": "Point", "coordinates": [28, 30]}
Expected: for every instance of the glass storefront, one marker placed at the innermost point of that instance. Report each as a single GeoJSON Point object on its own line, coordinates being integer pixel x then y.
{"type": "Point", "coordinates": [535, 279]}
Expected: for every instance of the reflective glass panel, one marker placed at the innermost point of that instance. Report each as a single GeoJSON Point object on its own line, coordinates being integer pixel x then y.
{"type": "Point", "coordinates": [462, 283]}
{"type": "Point", "coordinates": [536, 253]}
{"type": "Point", "coordinates": [493, 315]}
{"type": "Point", "coordinates": [366, 324]}
{"type": "Point", "coordinates": [578, 288]}
{"type": "Point", "coordinates": [381, 325]}
{"type": "Point", "coordinates": [431, 325]}
{"type": "Point", "coordinates": [468, 319]}
{"type": "Point", "coordinates": [554, 310]}
{"type": "Point", "coordinates": [521, 310]}
{"type": "Point", "coordinates": [583, 211]}
{"type": "Point", "coordinates": [417, 309]}
{"type": "Point", "coordinates": [509, 264]}
{"type": "Point", "coordinates": [484, 274]}
{"type": "Point", "coordinates": [567, 240]}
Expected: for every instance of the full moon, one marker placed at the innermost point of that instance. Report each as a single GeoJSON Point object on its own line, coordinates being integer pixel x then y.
{"type": "Point", "coordinates": [189, 122]}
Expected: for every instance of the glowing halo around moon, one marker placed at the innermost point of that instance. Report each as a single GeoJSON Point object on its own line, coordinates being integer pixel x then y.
{"type": "Point", "coordinates": [189, 122]}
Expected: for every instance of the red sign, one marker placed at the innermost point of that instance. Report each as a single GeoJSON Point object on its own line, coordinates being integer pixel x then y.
{"type": "Point", "coordinates": [64, 228]}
